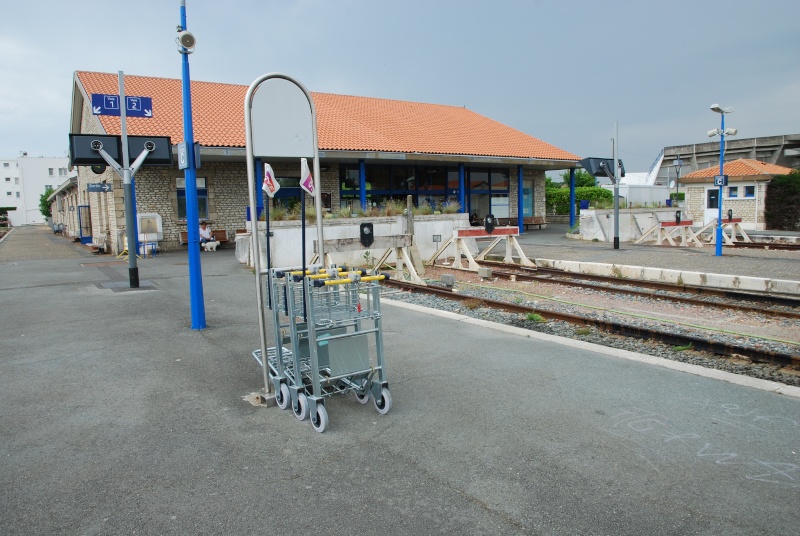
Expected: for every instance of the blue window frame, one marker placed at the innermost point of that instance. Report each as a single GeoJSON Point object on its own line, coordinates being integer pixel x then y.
{"type": "Point", "coordinates": [202, 198]}
{"type": "Point", "coordinates": [749, 191]}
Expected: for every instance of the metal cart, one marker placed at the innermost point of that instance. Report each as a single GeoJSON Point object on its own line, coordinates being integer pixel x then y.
{"type": "Point", "coordinates": [331, 322]}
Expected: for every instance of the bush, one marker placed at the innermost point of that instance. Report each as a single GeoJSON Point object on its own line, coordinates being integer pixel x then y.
{"type": "Point", "coordinates": [782, 203]}
{"type": "Point", "coordinates": [451, 207]}
{"type": "Point", "coordinates": [558, 198]}
{"type": "Point", "coordinates": [393, 208]}
{"type": "Point", "coordinates": [423, 210]}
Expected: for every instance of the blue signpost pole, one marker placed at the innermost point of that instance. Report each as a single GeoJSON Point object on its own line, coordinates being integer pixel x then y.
{"type": "Point", "coordinates": [571, 198]}
{"type": "Point", "coordinates": [192, 218]}
{"type": "Point", "coordinates": [520, 200]}
{"type": "Point", "coordinates": [718, 251]}
{"type": "Point", "coordinates": [462, 198]}
{"type": "Point", "coordinates": [362, 184]}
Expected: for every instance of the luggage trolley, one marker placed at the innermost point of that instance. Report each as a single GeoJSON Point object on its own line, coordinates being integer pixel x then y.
{"type": "Point", "coordinates": [335, 339]}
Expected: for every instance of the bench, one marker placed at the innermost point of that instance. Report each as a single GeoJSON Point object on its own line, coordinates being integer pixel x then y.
{"type": "Point", "coordinates": [526, 222]}
{"type": "Point", "coordinates": [98, 244]}
{"type": "Point", "coordinates": [534, 220]}
{"type": "Point", "coordinates": [220, 235]}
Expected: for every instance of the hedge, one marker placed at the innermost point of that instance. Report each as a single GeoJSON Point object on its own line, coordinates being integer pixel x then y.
{"type": "Point", "coordinates": [558, 198]}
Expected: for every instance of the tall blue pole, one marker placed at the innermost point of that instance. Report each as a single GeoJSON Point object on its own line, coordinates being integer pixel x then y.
{"type": "Point", "coordinates": [462, 197]}
{"type": "Point", "coordinates": [721, 172]}
{"type": "Point", "coordinates": [362, 183]}
{"type": "Point", "coordinates": [192, 218]}
{"type": "Point", "coordinates": [520, 200]}
{"type": "Point", "coordinates": [571, 198]}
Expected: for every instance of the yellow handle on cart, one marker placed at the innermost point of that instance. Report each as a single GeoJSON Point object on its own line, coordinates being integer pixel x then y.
{"type": "Point", "coordinates": [344, 281]}
{"type": "Point", "coordinates": [296, 273]}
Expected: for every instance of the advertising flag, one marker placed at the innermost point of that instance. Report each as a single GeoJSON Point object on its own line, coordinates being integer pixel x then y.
{"type": "Point", "coordinates": [306, 178]}
{"type": "Point", "coordinates": [270, 185]}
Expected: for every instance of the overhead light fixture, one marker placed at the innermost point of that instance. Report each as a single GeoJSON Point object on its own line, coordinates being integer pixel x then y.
{"type": "Point", "coordinates": [720, 110]}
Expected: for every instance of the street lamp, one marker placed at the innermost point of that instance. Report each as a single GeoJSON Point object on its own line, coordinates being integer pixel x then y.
{"type": "Point", "coordinates": [721, 132]}
{"type": "Point", "coordinates": [186, 44]}
{"type": "Point", "coordinates": [677, 163]}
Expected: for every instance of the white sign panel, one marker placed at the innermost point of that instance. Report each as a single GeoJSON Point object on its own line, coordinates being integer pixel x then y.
{"type": "Point", "coordinates": [282, 120]}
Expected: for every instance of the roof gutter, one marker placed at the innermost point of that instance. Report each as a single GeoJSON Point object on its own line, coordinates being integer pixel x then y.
{"type": "Point", "coordinates": [454, 158]}
{"type": "Point", "coordinates": [540, 163]}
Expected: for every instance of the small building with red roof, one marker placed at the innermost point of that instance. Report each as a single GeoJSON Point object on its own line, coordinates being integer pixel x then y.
{"type": "Point", "coordinates": [744, 195]}
{"type": "Point", "coordinates": [397, 148]}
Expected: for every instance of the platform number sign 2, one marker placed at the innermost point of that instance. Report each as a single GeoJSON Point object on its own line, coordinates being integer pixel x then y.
{"type": "Point", "coordinates": [721, 180]}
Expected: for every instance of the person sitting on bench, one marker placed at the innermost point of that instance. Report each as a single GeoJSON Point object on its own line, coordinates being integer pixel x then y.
{"type": "Point", "coordinates": [205, 234]}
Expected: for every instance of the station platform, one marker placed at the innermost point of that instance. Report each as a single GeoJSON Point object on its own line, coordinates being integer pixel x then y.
{"type": "Point", "coordinates": [119, 418]}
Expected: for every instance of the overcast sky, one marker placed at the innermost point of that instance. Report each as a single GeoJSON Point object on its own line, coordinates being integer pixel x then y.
{"type": "Point", "coordinates": [560, 70]}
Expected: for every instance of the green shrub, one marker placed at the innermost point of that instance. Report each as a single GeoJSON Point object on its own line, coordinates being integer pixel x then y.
{"type": "Point", "coordinates": [424, 210]}
{"type": "Point", "coordinates": [451, 207]}
{"type": "Point", "coordinates": [558, 198]}
{"type": "Point", "coordinates": [393, 208]}
{"type": "Point", "coordinates": [782, 203]}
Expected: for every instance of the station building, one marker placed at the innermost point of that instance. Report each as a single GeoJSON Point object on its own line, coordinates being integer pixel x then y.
{"type": "Point", "coordinates": [390, 148]}
{"type": "Point", "coordinates": [744, 195]}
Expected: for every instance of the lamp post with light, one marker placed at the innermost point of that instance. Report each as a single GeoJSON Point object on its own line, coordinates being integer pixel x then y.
{"type": "Point", "coordinates": [677, 163]}
{"type": "Point", "coordinates": [720, 180]}
{"type": "Point", "coordinates": [186, 43]}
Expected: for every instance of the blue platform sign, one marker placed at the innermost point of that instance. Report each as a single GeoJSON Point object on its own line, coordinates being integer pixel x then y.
{"type": "Point", "coordinates": [98, 187]}
{"type": "Point", "coordinates": [110, 105]}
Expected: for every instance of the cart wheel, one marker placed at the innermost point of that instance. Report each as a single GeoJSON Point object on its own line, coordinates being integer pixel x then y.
{"type": "Point", "coordinates": [320, 419]}
{"type": "Point", "coordinates": [301, 410]}
{"type": "Point", "coordinates": [282, 397]}
{"type": "Point", "coordinates": [363, 398]}
{"type": "Point", "coordinates": [384, 404]}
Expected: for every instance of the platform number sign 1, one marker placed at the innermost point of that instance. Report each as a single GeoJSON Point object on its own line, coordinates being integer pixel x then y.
{"type": "Point", "coordinates": [720, 180]}
{"type": "Point", "coordinates": [103, 104]}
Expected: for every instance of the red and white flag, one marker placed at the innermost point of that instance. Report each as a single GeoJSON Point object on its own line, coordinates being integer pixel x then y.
{"type": "Point", "coordinates": [306, 178]}
{"type": "Point", "coordinates": [270, 185]}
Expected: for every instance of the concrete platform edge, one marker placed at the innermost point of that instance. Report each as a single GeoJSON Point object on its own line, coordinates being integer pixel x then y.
{"type": "Point", "coordinates": [723, 281]}
{"type": "Point", "coordinates": [747, 381]}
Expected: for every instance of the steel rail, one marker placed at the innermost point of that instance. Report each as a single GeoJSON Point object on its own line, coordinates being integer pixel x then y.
{"type": "Point", "coordinates": [674, 339]}
{"type": "Point", "coordinates": [554, 276]}
{"type": "Point", "coordinates": [764, 245]}
{"type": "Point", "coordinates": [506, 274]}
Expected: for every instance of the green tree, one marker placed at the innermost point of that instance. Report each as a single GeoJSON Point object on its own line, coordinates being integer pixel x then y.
{"type": "Point", "coordinates": [44, 204]}
{"type": "Point", "coordinates": [582, 178]}
{"type": "Point", "coordinates": [781, 205]}
{"type": "Point", "coordinates": [549, 184]}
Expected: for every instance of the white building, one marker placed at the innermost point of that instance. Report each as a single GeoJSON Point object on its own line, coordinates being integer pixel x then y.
{"type": "Point", "coordinates": [23, 180]}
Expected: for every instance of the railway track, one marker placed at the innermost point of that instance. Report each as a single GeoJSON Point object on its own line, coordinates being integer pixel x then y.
{"type": "Point", "coordinates": [763, 245]}
{"type": "Point", "coordinates": [769, 305]}
{"type": "Point", "coordinates": [695, 339]}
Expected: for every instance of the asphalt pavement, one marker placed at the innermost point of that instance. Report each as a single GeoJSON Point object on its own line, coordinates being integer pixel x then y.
{"type": "Point", "coordinates": [118, 418]}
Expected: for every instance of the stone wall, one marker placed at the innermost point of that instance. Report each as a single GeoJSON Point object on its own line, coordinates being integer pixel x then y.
{"type": "Point", "coordinates": [749, 209]}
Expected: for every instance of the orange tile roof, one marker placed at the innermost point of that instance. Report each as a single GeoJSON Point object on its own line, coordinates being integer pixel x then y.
{"type": "Point", "coordinates": [345, 123]}
{"type": "Point", "coordinates": [744, 167]}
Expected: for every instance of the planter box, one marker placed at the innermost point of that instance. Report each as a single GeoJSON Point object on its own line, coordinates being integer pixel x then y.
{"type": "Point", "coordinates": [286, 243]}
